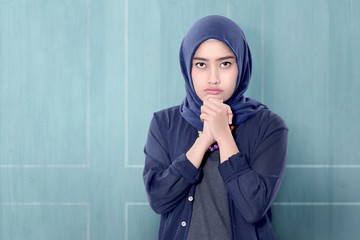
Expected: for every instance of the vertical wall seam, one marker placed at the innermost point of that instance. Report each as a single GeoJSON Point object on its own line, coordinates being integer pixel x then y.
{"type": "Point", "coordinates": [262, 53]}
{"type": "Point", "coordinates": [88, 84]}
{"type": "Point", "coordinates": [126, 87]}
{"type": "Point", "coordinates": [88, 219]}
{"type": "Point", "coordinates": [127, 205]}
{"type": "Point", "coordinates": [227, 8]}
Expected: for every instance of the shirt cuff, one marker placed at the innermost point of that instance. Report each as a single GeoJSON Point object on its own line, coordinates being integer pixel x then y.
{"type": "Point", "coordinates": [186, 169]}
{"type": "Point", "coordinates": [235, 166]}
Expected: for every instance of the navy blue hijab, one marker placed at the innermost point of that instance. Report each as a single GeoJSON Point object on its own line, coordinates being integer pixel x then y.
{"type": "Point", "coordinates": [222, 29]}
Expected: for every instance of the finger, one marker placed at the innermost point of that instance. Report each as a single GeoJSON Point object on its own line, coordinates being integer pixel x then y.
{"type": "Point", "coordinates": [207, 97]}
{"type": "Point", "coordinates": [204, 117]}
{"type": "Point", "coordinates": [228, 108]}
{"type": "Point", "coordinates": [211, 98]}
{"type": "Point", "coordinates": [230, 114]}
{"type": "Point", "coordinates": [218, 101]}
{"type": "Point", "coordinates": [217, 106]}
{"type": "Point", "coordinates": [208, 109]}
{"type": "Point", "coordinates": [230, 118]}
{"type": "Point", "coordinates": [214, 105]}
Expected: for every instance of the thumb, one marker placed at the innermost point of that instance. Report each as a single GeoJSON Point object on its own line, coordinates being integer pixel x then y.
{"type": "Point", "coordinates": [230, 114]}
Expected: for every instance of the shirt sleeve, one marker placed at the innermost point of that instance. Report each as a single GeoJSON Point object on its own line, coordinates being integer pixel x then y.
{"type": "Point", "coordinates": [252, 184]}
{"type": "Point", "coordinates": [167, 181]}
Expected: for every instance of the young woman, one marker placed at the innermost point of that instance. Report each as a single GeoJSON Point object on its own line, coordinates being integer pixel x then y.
{"type": "Point", "coordinates": [215, 163]}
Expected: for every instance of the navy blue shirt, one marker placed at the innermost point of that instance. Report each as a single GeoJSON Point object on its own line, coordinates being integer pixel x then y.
{"type": "Point", "coordinates": [252, 177]}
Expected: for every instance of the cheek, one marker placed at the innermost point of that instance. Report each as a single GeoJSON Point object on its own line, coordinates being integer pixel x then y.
{"type": "Point", "coordinates": [197, 78]}
{"type": "Point", "coordinates": [196, 81]}
{"type": "Point", "coordinates": [231, 80]}
{"type": "Point", "coordinates": [231, 76]}
{"type": "Point", "coordinates": [234, 77]}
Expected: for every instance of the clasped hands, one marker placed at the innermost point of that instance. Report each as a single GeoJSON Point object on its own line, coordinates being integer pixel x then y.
{"type": "Point", "coordinates": [216, 117]}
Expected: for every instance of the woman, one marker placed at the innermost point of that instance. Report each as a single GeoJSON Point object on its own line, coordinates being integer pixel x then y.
{"type": "Point", "coordinates": [214, 164]}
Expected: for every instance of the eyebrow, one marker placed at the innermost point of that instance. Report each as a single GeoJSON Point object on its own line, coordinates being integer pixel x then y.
{"type": "Point", "coordinates": [219, 59]}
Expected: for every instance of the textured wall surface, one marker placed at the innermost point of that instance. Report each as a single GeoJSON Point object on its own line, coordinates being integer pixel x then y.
{"type": "Point", "coordinates": [79, 81]}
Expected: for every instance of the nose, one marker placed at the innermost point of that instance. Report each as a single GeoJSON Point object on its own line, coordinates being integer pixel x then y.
{"type": "Point", "coordinates": [214, 76]}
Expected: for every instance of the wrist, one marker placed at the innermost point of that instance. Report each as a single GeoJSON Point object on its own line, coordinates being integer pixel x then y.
{"type": "Point", "coordinates": [228, 147]}
{"type": "Point", "coordinates": [226, 140]}
{"type": "Point", "coordinates": [196, 153]}
{"type": "Point", "coordinates": [205, 141]}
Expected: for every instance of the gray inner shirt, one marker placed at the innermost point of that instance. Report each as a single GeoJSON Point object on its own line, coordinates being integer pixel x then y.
{"type": "Point", "coordinates": [210, 216]}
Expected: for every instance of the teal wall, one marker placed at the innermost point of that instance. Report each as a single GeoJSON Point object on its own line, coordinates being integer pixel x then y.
{"type": "Point", "coordinates": [79, 81]}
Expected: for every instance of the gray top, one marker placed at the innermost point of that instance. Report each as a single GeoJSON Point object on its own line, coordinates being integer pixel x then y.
{"type": "Point", "coordinates": [210, 216]}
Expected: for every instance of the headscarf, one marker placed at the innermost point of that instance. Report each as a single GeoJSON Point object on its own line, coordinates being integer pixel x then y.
{"type": "Point", "coordinates": [225, 30]}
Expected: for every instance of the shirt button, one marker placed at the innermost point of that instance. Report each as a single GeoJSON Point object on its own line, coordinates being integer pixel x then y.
{"type": "Point", "coordinates": [183, 223]}
{"type": "Point", "coordinates": [190, 199]}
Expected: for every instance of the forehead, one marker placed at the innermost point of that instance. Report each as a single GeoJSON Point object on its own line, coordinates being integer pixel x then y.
{"type": "Point", "coordinates": [212, 49]}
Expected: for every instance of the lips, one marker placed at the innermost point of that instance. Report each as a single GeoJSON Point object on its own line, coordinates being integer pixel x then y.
{"type": "Point", "coordinates": [213, 91]}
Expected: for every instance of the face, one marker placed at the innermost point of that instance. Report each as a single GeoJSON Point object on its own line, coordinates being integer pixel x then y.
{"type": "Point", "coordinates": [214, 70]}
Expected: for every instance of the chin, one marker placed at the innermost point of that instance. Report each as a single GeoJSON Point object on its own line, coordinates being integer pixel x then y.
{"type": "Point", "coordinates": [213, 96]}
{"type": "Point", "coordinates": [218, 97]}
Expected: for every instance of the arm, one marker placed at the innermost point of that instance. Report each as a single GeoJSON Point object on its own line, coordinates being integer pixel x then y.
{"type": "Point", "coordinates": [254, 187]}
{"type": "Point", "coordinates": [168, 181]}
{"type": "Point", "coordinates": [227, 146]}
{"type": "Point", "coordinates": [201, 145]}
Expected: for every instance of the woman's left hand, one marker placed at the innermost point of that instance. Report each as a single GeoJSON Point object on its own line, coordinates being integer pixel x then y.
{"type": "Point", "coordinates": [218, 115]}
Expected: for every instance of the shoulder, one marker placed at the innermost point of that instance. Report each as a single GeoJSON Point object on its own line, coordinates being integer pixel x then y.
{"type": "Point", "coordinates": [270, 125]}
{"type": "Point", "coordinates": [263, 123]}
{"type": "Point", "coordinates": [172, 130]}
{"type": "Point", "coordinates": [167, 116]}
{"type": "Point", "coordinates": [260, 132]}
{"type": "Point", "coordinates": [268, 118]}
{"type": "Point", "coordinates": [168, 113]}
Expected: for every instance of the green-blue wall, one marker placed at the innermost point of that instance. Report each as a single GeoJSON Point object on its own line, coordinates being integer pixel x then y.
{"type": "Point", "coordinates": [79, 81]}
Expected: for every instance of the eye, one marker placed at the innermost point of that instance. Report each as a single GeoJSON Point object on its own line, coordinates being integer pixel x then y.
{"type": "Point", "coordinates": [226, 64]}
{"type": "Point", "coordinates": [200, 64]}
